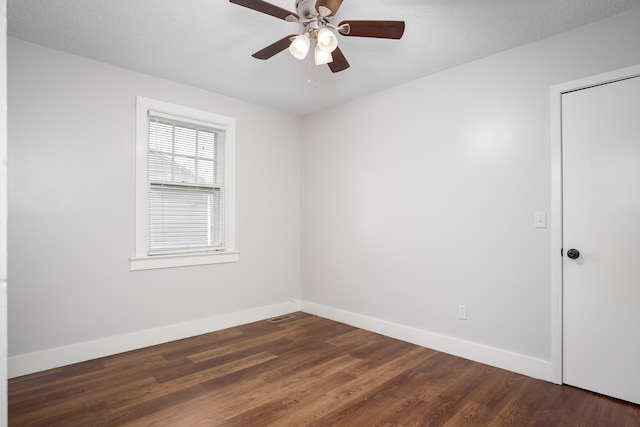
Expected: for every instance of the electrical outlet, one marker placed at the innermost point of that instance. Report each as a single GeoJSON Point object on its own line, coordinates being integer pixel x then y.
{"type": "Point", "coordinates": [462, 312]}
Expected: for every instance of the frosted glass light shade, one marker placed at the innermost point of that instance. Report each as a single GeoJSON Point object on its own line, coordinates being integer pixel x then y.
{"type": "Point", "coordinates": [327, 41]}
{"type": "Point", "coordinates": [300, 46]}
{"type": "Point", "coordinates": [323, 57]}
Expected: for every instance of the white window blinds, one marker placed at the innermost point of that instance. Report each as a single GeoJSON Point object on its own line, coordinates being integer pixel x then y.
{"type": "Point", "coordinates": [185, 197]}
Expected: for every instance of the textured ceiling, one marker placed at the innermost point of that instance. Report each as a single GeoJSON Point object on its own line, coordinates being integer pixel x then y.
{"type": "Point", "coordinates": [208, 43]}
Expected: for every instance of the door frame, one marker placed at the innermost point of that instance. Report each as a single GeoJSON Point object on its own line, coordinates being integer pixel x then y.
{"type": "Point", "coordinates": [556, 202]}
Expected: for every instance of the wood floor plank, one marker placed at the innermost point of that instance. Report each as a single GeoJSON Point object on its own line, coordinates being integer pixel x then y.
{"type": "Point", "coordinates": [300, 371]}
{"type": "Point", "coordinates": [470, 414]}
{"type": "Point", "coordinates": [365, 379]}
{"type": "Point", "coordinates": [199, 409]}
{"type": "Point", "coordinates": [220, 370]}
{"type": "Point", "coordinates": [75, 392]}
{"type": "Point", "coordinates": [235, 347]}
{"type": "Point", "coordinates": [285, 365]}
{"type": "Point", "coordinates": [141, 414]}
{"type": "Point", "coordinates": [354, 339]}
{"type": "Point", "coordinates": [279, 397]}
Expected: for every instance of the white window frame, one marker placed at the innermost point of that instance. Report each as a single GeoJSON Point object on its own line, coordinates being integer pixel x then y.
{"type": "Point", "coordinates": [142, 260]}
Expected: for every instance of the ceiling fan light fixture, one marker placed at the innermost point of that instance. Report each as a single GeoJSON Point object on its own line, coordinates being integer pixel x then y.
{"type": "Point", "coordinates": [327, 41]}
{"type": "Point", "coordinates": [299, 46]}
{"type": "Point", "coordinates": [315, 17]}
{"type": "Point", "coordinates": [322, 56]}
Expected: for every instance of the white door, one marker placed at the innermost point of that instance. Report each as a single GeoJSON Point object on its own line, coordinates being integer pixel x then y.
{"type": "Point", "coordinates": [601, 220]}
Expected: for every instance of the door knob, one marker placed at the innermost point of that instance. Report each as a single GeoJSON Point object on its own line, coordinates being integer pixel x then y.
{"type": "Point", "coordinates": [573, 253]}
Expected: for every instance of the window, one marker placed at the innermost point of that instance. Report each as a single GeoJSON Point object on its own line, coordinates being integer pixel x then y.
{"type": "Point", "coordinates": [184, 186]}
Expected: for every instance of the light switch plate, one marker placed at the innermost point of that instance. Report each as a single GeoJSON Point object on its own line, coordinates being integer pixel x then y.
{"type": "Point", "coordinates": [540, 220]}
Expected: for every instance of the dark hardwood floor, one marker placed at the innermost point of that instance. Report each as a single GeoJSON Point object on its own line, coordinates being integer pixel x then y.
{"type": "Point", "coordinates": [302, 371]}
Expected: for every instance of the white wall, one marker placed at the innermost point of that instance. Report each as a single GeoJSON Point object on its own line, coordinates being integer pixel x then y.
{"type": "Point", "coordinates": [422, 197]}
{"type": "Point", "coordinates": [3, 213]}
{"type": "Point", "coordinates": [71, 211]}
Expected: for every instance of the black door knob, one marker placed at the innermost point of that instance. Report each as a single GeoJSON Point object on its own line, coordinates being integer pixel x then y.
{"type": "Point", "coordinates": [573, 253]}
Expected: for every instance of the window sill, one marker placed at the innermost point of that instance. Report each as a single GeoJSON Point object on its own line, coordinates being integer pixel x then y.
{"type": "Point", "coordinates": [183, 260]}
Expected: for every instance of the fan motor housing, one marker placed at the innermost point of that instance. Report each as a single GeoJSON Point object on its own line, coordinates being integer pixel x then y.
{"type": "Point", "coordinates": [306, 8]}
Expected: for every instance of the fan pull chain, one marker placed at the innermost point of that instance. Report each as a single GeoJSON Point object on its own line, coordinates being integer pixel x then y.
{"type": "Point", "coordinates": [315, 75]}
{"type": "Point", "coordinates": [313, 67]}
{"type": "Point", "coordinates": [312, 79]}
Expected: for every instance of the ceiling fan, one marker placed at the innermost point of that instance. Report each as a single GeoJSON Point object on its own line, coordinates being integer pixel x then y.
{"type": "Point", "coordinates": [315, 16]}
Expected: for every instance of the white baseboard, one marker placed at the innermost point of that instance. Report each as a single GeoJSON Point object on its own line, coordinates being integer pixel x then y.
{"type": "Point", "coordinates": [522, 364]}
{"type": "Point", "coordinates": [52, 358]}
{"type": "Point", "coordinates": [24, 364]}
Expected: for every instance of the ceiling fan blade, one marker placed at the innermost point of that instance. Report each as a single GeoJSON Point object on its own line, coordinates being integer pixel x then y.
{"type": "Point", "coordinates": [274, 48]}
{"type": "Point", "coordinates": [339, 63]}
{"type": "Point", "coordinates": [332, 5]}
{"type": "Point", "coordinates": [377, 29]}
{"type": "Point", "coordinates": [268, 8]}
